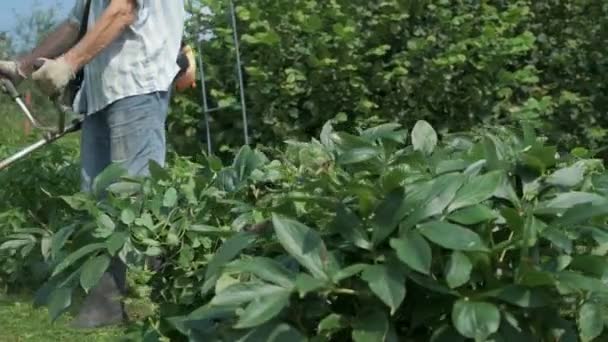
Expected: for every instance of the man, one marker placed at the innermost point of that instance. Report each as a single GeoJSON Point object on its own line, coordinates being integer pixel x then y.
{"type": "Point", "coordinates": [129, 55]}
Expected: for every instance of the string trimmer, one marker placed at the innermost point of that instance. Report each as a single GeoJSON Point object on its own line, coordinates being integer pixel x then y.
{"type": "Point", "coordinates": [184, 79]}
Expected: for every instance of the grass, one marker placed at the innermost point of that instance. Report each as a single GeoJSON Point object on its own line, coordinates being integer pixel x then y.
{"type": "Point", "coordinates": [20, 322]}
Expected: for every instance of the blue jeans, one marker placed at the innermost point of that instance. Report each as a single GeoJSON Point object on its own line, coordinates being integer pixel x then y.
{"type": "Point", "coordinates": [129, 132]}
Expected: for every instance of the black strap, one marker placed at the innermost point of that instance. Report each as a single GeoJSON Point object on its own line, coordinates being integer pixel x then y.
{"type": "Point", "coordinates": [74, 86]}
{"type": "Point", "coordinates": [83, 31]}
{"type": "Point", "coordinates": [85, 20]}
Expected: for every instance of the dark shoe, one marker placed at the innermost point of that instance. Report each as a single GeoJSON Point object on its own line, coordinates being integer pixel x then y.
{"type": "Point", "coordinates": [103, 306]}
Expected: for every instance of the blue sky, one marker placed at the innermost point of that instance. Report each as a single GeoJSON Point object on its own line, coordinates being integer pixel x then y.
{"type": "Point", "coordinates": [8, 8]}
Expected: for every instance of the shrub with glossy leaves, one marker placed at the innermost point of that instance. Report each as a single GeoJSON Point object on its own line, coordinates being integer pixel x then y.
{"type": "Point", "coordinates": [384, 235]}
{"type": "Point", "coordinates": [455, 65]}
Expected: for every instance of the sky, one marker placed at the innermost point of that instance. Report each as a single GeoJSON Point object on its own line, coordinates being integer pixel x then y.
{"type": "Point", "coordinates": [8, 8]}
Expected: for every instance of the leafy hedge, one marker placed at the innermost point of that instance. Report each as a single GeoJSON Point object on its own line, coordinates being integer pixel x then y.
{"type": "Point", "coordinates": [384, 235]}
{"type": "Point", "coordinates": [455, 65]}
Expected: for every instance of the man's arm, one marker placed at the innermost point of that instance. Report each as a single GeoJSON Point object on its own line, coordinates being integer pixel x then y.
{"type": "Point", "coordinates": [54, 45]}
{"type": "Point", "coordinates": [114, 20]}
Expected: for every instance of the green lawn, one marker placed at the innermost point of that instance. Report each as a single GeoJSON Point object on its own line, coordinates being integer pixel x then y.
{"type": "Point", "coordinates": [19, 321]}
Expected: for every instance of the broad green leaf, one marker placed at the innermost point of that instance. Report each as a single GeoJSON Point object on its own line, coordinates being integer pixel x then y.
{"type": "Point", "coordinates": [170, 198]}
{"type": "Point", "coordinates": [332, 323]}
{"type": "Point", "coordinates": [347, 141]}
{"type": "Point", "coordinates": [92, 271]}
{"type": "Point", "coordinates": [241, 293]}
{"type": "Point", "coordinates": [432, 201]}
{"type": "Point", "coordinates": [77, 255]}
{"type": "Point", "coordinates": [563, 201]}
{"type": "Point", "coordinates": [266, 269]}
{"type": "Point", "coordinates": [446, 166]}
{"type": "Point", "coordinates": [505, 190]}
{"type": "Point", "coordinates": [476, 190]}
{"type": "Point", "coordinates": [109, 175]}
{"type": "Point", "coordinates": [209, 312]}
{"type": "Point", "coordinates": [414, 251]}
{"type": "Point", "coordinates": [430, 284]}
{"type": "Point", "coordinates": [476, 320]}
{"type": "Point", "coordinates": [246, 161]}
{"type": "Point", "coordinates": [388, 283]}
{"type": "Point", "coordinates": [532, 229]}
{"type": "Point", "coordinates": [157, 172]}
{"type": "Point", "coordinates": [145, 221]}
{"type": "Point", "coordinates": [452, 236]}
{"type": "Point", "coordinates": [125, 188]}
{"type": "Point", "coordinates": [573, 281]}
{"type": "Point", "coordinates": [491, 152]}
{"type": "Point", "coordinates": [533, 278]}
{"type": "Point", "coordinates": [590, 321]}
{"type": "Point", "coordinates": [45, 247]}
{"type": "Point", "coordinates": [153, 251]}
{"type": "Point", "coordinates": [116, 242]}
{"type": "Point", "coordinates": [263, 309]}
{"type": "Point", "coordinates": [591, 264]}
{"type": "Point", "coordinates": [228, 251]}
{"type": "Point", "coordinates": [358, 155]}
{"type": "Point", "coordinates": [127, 216]}
{"type": "Point", "coordinates": [303, 243]}
{"type": "Point", "coordinates": [273, 332]}
{"type": "Point", "coordinates": [473, 215]}
{"type": "Point", "coordinates": [540, 157]}
{"type": "Point", "coordinates": [59, 301]}
{"type": "Point", "coordinates": [78, 201]}
{"type": "Point", "coordinates": [390, 131]}
{"type": "Point", "coordinates": [557, 237]}
{"type": "Point", "coordinates": [349, 226]}
{"type": "Point", "coordinates": [567, 177]}
{"type": "Point", "coordinates": [348, 272]}
{"type": "Point", "coordinates": [445, 189]}
{"type": "Point", "coordinates": [424, 137]}
{"type": "Point", "coordinates": [458, 270]}
{"type": "Point", "coordinates": [60, 238]}
{"type": "Point", "coordinates": [325, 135]}
{"type": "Point", "coordinates": [14, 244]}
{"type": "Point", "coordinates": [106, 223]}
{"type": "Point", "coordinates": [581, 213]}
{"type": "Point", "coordinates": [387, 216]}
{"type": "Point", "coordinates": [306, 284]}
{"type": "Point", "coordinates": [475, 168]}
{"type": "Point", "coordinates": [522, 296]}
{"type": "Point", "coordinates": [373, 327]}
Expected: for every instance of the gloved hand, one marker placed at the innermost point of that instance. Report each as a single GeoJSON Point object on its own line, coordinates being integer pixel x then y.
{"type": "Point", "coordinates": [53, 76]}
{"type": "Point", "coordinates": [12, 71]}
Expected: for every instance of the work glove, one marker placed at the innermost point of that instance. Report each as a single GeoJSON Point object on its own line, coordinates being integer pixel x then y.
{"type": "Point", "coordinates": [53, 76]}
{"type": "Point", "coordinates": [12, 71]}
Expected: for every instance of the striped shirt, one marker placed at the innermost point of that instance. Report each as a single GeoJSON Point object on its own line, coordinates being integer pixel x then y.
{"type": "Point", "coordinates": [141, 60]}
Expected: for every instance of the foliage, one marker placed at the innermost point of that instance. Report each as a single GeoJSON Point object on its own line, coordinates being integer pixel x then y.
{"type": "Point", "coordinates": [456, 65]}
{"type": "Point", "coordinates": [446, 231]}
{"type": "Point", "coordinates": [380, 236]}
{"type": "Point", "coordinates": [30, 210]}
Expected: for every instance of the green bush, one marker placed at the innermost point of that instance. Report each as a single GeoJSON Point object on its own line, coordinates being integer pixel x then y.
{"type": "Point", "coordinates": [456, 65]}
{"type": "Point", "coordinates": [30, 210]}
{"type": "Point", "coordinates": [383, 235]}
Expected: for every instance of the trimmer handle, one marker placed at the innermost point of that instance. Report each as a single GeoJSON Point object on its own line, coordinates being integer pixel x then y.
{"type": "Point", "coordinates": [9, 88]}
